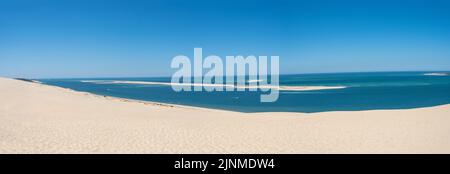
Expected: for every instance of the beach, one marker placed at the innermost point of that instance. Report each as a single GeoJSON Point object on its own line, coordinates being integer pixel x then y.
{"type": "Point", "coordinates": [37, 118]}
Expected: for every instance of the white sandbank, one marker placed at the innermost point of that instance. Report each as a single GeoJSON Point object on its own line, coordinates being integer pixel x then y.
{"type": "Point", "coordinates": [436, 74]}
{"type": "Point", "coordinates": [36, 118]}
{"type": "Point", "coordinates": [281, 88]}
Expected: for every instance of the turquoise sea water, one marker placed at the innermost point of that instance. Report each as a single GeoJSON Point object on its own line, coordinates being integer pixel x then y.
{"type": "Point", "coordinates": [364, 91]}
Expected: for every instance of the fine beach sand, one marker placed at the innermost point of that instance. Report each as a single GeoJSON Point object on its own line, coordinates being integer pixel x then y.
{"type": "Point", "coordinates": [36, 118]}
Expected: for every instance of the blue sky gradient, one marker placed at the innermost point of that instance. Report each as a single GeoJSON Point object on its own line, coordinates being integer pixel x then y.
{"type": "Point", "coordinates": [118, 38]}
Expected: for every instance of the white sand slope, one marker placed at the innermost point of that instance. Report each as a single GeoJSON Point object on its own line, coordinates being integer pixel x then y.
{"type": "Point", "coordinates": [36, 118]}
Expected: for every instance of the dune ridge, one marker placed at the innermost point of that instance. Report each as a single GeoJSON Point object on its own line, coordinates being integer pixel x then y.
{"type": "Point", "coordinates": [37, 118]}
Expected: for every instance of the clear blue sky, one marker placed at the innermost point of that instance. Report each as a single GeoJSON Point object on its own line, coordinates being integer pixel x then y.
{"type": "Point", "coordinates": [112, 38]}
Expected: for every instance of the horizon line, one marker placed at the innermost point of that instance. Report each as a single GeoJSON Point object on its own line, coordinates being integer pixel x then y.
{"type": "Point", "coordinates": [284, 74]}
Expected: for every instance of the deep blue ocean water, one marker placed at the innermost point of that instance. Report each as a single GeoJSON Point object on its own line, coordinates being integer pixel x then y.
{"type": "Point", "coordinates": [364, 91]}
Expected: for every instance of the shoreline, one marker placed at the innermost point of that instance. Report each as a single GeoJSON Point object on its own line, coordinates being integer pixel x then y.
{"type": "Point", "coordinates": [217, 109]}
{"type": "Point", "coordinates": [144, 102]}
{"type": "Point", "coordinates": [39, 118]}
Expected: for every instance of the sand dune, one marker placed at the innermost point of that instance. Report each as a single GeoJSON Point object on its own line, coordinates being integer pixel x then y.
{"type": "Point", "coordinates": [35, 118]}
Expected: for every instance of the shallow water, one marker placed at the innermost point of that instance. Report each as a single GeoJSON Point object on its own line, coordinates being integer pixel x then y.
{"type": "Point", "coordinates": [364, 91]}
